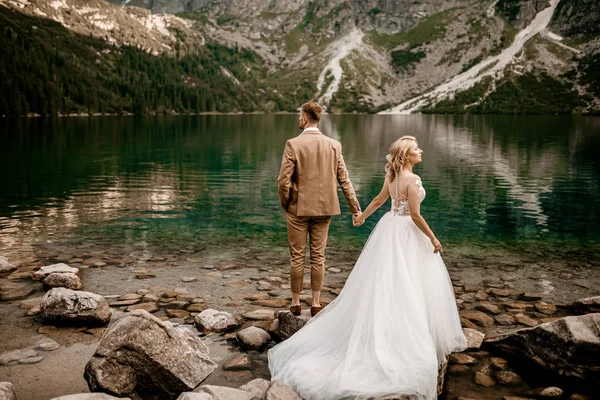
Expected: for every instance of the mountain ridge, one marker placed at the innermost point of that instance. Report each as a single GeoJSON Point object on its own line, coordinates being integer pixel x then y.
{"type": "Point", "coordinates": [358, 56]}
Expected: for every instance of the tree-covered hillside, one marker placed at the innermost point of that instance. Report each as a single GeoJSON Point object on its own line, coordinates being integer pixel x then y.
{"type": "Point", "coordinates": [50, 70]}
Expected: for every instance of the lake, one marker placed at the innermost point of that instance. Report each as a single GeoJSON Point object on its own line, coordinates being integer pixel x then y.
{"type": "Point", "coordinates": [208, 182]}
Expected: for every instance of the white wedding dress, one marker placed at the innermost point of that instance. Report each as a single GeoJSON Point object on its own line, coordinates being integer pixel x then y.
{"type": "Point", "coordinates": [394, 322]}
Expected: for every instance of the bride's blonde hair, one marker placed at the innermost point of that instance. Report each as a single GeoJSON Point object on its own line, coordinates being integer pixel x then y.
{"type": "Point", "coordinates": [397, 156]}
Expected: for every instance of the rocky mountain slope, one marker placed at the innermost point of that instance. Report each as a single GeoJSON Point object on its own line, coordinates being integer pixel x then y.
{"type": "Point", "coordinates": [506, 56]}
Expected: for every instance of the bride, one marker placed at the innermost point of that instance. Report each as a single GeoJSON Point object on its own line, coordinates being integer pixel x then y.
{"type": "Point", "coordinates": [395, 321]}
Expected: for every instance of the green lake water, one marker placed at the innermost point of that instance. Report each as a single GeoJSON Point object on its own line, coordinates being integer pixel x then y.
{"type": "Point", "coordinates": [210, 181]}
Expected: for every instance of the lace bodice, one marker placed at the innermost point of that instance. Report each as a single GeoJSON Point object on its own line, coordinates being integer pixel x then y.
{"type": "Point", "coordinates": [399, 206]}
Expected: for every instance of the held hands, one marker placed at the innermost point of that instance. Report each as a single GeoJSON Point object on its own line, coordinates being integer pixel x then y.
{"type": "Point", "coordinates": [437, 246]}
{"type": "Point", "coordinates": [357, 219]}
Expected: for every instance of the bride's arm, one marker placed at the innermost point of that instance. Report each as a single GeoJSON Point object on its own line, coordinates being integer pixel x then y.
{"type": "Point", "coordinates": [414, 205]}
{"type": "Point", "coordinates": [377, 202]}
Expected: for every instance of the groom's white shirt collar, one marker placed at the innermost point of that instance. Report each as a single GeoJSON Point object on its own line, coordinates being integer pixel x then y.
{"type": "Point", "coordinates": [310, 130]}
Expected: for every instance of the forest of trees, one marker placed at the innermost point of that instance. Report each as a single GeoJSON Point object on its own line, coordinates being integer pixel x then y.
{"type": "Point", "coordinates": [49, 70]}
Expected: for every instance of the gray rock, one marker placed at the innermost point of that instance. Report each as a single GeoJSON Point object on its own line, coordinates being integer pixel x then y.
{"type": "Point", "coordinates": [462, 359]}
{"type": "Point", "coordinates": [223, 393]}
{"type": "Point", "coordinates": [280, 391]}
{"type": "Point", "coordinates": [47, 344]}
{"type": "Point", "coordinates": [565, 349]}
{"type": "Point", "coordinates": [142, 356]}
{"type": "Point", "coordinates": [258, 388]}
{"type": "Point", "coordinates": [194, 396]}
{"type": "Point", "coordinates": [587, 305]}
{"type": "Point", "coordinates": [7, 391]}
{"type": "Point", "coordinates": [63, 279]}
{"type": "Point", "coordinates": [5, 266]}
{"type": "Point", "coordinates": [474, 338]}
{"type": "Point", "coordinates": [552, 392]}
{"type": "Point", "coordinates": [237, 362]}
{"type": "Point", "coordinates": [484, 380]}
{"type": "Point", "coordinates": [260, 315]}
{"type": "Point", "coordinates": [90, 396]}
{"type": "Point", "coordinates": [43, 272]}
{"type": "Point", "coordinates": [65, 305]}
{"type": "Point", "coordinates": [508, 378]}
{"type": "Point", "coordinates": [478, 318]}
{"type": "Point", "coordinates": [253, 338]}
{"type": "Point", "coordinates": [290, 324]}
{"type": "Point", "coordinates": [211, 320]}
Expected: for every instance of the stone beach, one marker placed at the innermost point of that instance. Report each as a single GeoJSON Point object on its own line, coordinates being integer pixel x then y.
{"type": "Point", "coordinates": [236, 307]}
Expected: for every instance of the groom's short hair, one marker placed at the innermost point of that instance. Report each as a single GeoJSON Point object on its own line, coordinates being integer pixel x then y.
{"type": "Point", "coordinates": [312, 110]}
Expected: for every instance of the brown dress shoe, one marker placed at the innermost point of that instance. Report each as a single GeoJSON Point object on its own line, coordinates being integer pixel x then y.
{"type": "Point", "coordinates": [296, 310]}
{"type": "Point", "coordinates": [315, 310]}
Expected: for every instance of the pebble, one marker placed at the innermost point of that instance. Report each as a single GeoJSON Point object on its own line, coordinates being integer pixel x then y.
{"type": "Point", "coordinates": [508, 378]}
{"type": "Point", "coordinates": [237, 362]}
{"type": "Point", "coordinates": [484, 380]}
{"type": "Point", "coordinates": [334, 270]}
{"type": "Point", "coordinates": [47, 345]}
{"type": "Point", "coordinates": [188, 279]}
{"type": "Point", "coordinates": [462, 359]}
{"type": "Point", "coordinates": [552, 392]}
{"type": "Point", "coordinates": [525, 320]}
{"type": "Point", "coordinates": [31, 360]}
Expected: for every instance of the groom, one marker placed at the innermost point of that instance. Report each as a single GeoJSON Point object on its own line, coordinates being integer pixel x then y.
{"type": "Point", "coordinates": [311, 168]}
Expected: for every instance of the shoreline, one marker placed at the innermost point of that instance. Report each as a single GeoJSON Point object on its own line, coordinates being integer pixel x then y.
{"type": "Point", "coordinates": [174, 114]}
{"type": "Point", "coordinates": [237, 284]}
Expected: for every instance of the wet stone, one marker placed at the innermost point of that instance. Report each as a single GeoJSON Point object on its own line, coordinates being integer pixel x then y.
{"type": "Point", "coordinates": [31, 360]}
{"type": "Point", "coordinates": [507, 378]}
{"type": "Point", "coordinates": [545, 308]}
{"type": "Point", "coordinates": [490, 308]}
{"type": "Point", "coordinates": [552, 392]}
{"type": "Point", "coordinates": [481, 295]}
{"type": "Point", "coordinates": [274, 303]}
{"type": "Point", "coordinates": [47, 344]}
{"type": "Point", "coordinates": [147, 306]}
{"type": "Point", "coordinates": [525, 320]}
{"type": "Point", "coordinates": [505, 319]}
{"type": "Point", "coordinates": [484, 380]}
{"type": "Point", "coordinates": [458, 369]}
{"type": "Point", "coordinates": [260, 315]}
{"type": "Point", "coordinates": [530, 297]}
{"type": "Point", "coordinates": [462, 359]}
{"type": "Point", "coordinates": [196, 307]}
{"type": "Point", "coordinates": [237, 362]}
{"type": "Point", "coordinates": [499, 292]}
{"type": "Point", "coordinates": [498, 363]}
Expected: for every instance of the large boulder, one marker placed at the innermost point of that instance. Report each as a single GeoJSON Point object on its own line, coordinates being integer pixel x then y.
{"type": "Point", "coordinates": [60, 268]}
{"type": "Point", "coordinates": [5, 266]}
{"type": "Point", "coordinates": [209, 321]}
{"type": "Point", "coordinates": [566, 350]}
{"type": "Point", "coordinates": [587, 305]}
{"type": "Point", "coordinates": [7, 391]}
{"type": "Point", "coordinates": [66, 280]}
{"type": "Point", "coordinates": [143, 357]}
{"type": "Point", "coordinates": [70, 306]}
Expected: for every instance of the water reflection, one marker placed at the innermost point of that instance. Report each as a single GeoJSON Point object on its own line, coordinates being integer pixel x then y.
{"type": "Point", "coordinates": [176, 180]}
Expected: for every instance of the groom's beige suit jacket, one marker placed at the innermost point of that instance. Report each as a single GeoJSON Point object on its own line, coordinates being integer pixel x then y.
{"type": "Point", "coordinates": [311, 168]}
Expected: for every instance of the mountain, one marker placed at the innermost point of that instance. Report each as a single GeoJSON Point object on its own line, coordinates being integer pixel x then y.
{"type": "Point", "coordinates": [141, 56]}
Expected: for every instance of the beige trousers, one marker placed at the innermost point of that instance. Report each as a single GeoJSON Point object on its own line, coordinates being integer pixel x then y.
{"type": "Point", "coordinates": [298, 228]}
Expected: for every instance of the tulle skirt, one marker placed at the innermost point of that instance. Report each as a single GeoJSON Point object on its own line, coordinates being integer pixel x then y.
{"type": "Point", "coordinates": [394, 322]}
